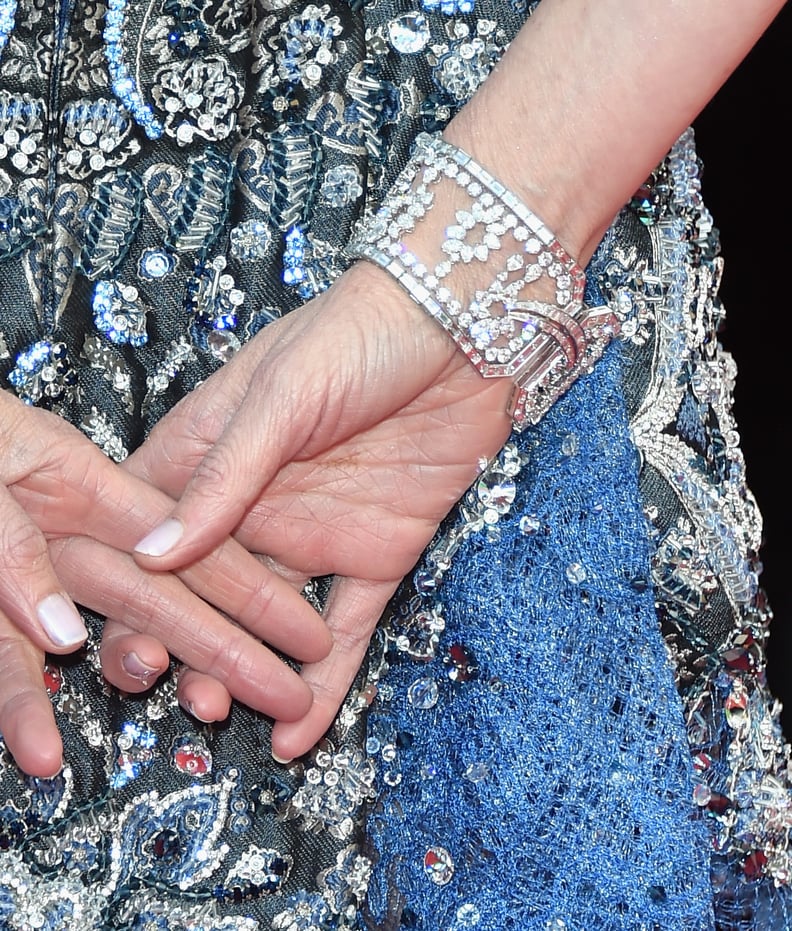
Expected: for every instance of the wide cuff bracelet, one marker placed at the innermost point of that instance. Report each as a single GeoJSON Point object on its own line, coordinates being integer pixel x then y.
{"type": "Point", "coordinates": [542, 344]}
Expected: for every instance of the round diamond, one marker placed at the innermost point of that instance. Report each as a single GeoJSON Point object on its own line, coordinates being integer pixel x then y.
{"type": "Point", "coordinates": [496, 490]}
{"type": "Point", "coordinates": [409, 33]}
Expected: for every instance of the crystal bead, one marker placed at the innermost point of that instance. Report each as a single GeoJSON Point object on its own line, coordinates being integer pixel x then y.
{"type": "Point", "coordinates": [529, 525]}
{"type": "Point", "coordinates": [576, 573]}
{"type": "Point", "coordinates": [570, 445]}
{"type": "Point", "coordinates": [461, 662]}
{"type": "Point", "coordinates": [423, 693]}
{"type": "Point", "coordinates": [438, 865]}
{"type": "Point", "coordinates": [476, 772]}
{"type": "Point", "coordinates": [736, 707]}
{"type": "Point", "coordinates": [425, 581]}
{"type": "Point", "coordinates": [468, 916]}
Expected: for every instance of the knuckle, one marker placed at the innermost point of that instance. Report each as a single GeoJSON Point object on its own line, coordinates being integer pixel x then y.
{"type": "Point", "coordinates": [226, 659]}
{"type": "Point", "coordinates": [261, 599]}
{"type": "Point", "coordinates": [22, 545]}
{"type": "Point", "coordinates": [213, 470]}
{"type": "Point", "coordinates": [61, 553]}
{"type": "Point", "coordinates": [206, 422]}
{"type": "Point", "coordinates": [134, 600]}
{"type": "Point", "coordinates": [233, 660]}
{"type": "Point", "coordinates": [352, 641]}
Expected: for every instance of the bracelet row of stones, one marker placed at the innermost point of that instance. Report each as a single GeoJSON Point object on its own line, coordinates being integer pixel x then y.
{"type": "Point", "coordinates": [529, 323]}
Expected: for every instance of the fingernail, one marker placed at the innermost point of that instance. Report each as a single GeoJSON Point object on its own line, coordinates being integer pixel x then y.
{"type": "Point", "coordinates": [194, 713]}
{"type": "Point", "coordinates": [135, 667]}
{"type": "Point", "coordinates": [162, 539]}
{"type": "Point", "coordinates": [57, 772]}
{"type": "Point", "coordinates": [279, 759]}
{"type": "Point", "coordinates": [61, 621]}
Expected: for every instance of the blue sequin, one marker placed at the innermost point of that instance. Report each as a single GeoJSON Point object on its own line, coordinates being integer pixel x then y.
{"type": "Point", "coordinates": [8, 10]}
{"type": "Point", "coordinates": [43, 370]}
{"type": "Point", "coordinates": [294, 257]}
{"type": "Point", "coordinates": [155, 264]}
{"type": "Point", "coordinates": [448, 7]}
{"type": "Point", "coordinates": [135, 747]}
{"type": "Point", "coordinates": [122, 83]}
{"type": "Point", "coordinates": [118, 313]}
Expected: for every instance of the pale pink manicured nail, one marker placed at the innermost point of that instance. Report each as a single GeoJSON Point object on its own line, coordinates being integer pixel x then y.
{"type": "Point", "coordinates": [57, 772]}
{"type": "Point", "coordinates": [135, 667]}
{"type": "Point", "coordinates": [162, 539]}
{"type": "Point", "coordinates": [279, 759]}
{"type": "Point", "coordinates": [191, 710]}
{"type": "Point", "coordinates": [61, 621]}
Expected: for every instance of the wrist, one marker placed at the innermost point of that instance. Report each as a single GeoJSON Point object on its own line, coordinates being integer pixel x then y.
{"type": "Point", "coordinates": [379, 305]}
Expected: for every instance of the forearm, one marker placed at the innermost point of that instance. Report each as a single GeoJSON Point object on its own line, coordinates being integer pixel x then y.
{"type": "Point", "coordinates": [591, 95]}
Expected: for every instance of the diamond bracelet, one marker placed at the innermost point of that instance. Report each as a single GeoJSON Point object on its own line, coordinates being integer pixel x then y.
{"type": "Point", "coordinates": [542, 345]}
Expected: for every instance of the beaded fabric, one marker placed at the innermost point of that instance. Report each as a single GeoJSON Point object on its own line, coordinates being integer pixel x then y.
{"type": "Point", "coordinates": [174, 176]}
{"type": "Point", "coordinates": [549, 703]}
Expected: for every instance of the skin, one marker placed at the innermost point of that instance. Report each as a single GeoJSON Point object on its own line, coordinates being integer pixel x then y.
{"type": "Point", "coordinates": [56, 541]}
{"type": "Point", "coordinates": [301, 454]}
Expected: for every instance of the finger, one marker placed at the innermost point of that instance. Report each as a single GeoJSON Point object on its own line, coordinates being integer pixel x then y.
{"type": "Point", "coordinates": [265, 604]}
{"type": "Point", "coordinates": [353, 609]}
{"type": "Point", "coordinates": [27, 723]}
{"type": "Point", "coordinates": [203, 696]}
{"type": "Point", "coordinates": [31, 595]}
{"type": "Point", "coordinates": [230, 578]}
{"type": "Point", "coordinates": [180, 440]}
{"type": "Point", "coordinates": [224, 485]}
{"type": "Point", "coordinates": [255, 595]}
{"type": "Point", "coordinates": [160, 605]}
{"type": "Point", "coordinates": [131, 661]}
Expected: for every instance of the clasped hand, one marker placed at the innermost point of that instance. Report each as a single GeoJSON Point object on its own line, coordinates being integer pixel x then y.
{"type": "Point", "coordinates": [334, 443]}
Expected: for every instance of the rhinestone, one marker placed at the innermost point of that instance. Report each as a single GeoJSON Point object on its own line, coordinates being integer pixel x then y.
{"type": "Point", "coordinates": [155, 264]}
{"type": "Point", "coordinates": [409, 33]}
{"type": "Point", "coordinates": [468, 916]}
{"type": "Point", "coordinates": [184, 134]}
{"type": "Point", "coordinates": [438, 865]}
{"type": "Point", "coordinates": [423, 693]}
{"type": "Point", "coordinates": [576, 573]}
{"type": "Point", "coordinates": [496, 490]}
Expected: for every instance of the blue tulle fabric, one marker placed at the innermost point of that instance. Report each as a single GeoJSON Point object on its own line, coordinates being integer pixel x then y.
{"type": "Point", "coordinates": [552, 788]}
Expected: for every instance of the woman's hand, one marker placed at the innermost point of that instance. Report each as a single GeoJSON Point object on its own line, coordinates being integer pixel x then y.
{"type": "Point", "coordinates": [57, 488]}
{"type": "Point", "coordinates": [334, 443]}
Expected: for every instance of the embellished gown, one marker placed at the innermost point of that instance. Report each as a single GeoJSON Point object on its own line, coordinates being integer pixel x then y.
{"type": "Point", "coordinates": [563, 723]}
